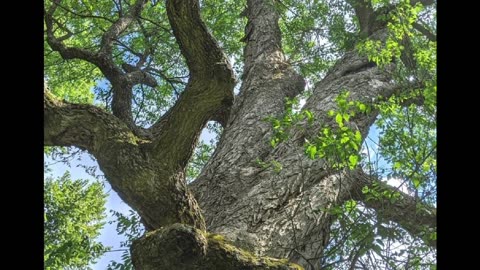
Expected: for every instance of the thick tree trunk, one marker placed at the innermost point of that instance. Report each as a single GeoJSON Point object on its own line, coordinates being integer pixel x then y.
{"type": "Point", "coordinates": [273, 212]}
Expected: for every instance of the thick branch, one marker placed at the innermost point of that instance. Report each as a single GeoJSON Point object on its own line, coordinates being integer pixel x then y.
{"type": "Point", "coordinates": [81, 125]}
{"type": "Point", "coordinates": [365, 14]}
{"type": "Point", "coordinates": [157, 192]}
{"type": "Point", "coordinates": [369, 19]}
{"type": "Point", "coordinates": [209, 89]}
{"type": "Point", "coordinates": [201, 51]}
{"type": "Point", "coordinates": [415, 217]}
{"type": "Point", "coordinates": [268, 79]}
{"type": "Point", "coordinates": [362, 79]}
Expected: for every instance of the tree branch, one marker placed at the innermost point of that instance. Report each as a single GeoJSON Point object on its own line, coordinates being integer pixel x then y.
{"type": "Point", "coordinates": [57, 45]}
{"type": "Point", "coordinates": [202, 53]}
{"type": "Point", "coordinates": [83, 15]}
{"type": "Point", "coordinates": [422, 29]}
{"type": "Point", "coordinates": [415, 217]}
{"type": "Point", "coordinates": [122, 82]}
{"type": "Point", "coordinates": [362, 79]}
{"type": "Point", "coordinates": [120, 25]}
{"type": "Point", "coordinates": [122, 85]}
{"type": "Point", "coordinates": [158, 193]}
{"type": "Point", "coordinates": [364, 11]}
{"type": "Point", "coordinates": [80, 125]}
{"type": "Point", "coordinates": [368, 17]}
{"type": "Point", "coordinates": [268, 79]}
{"type": "Point", "coordinates": [209, 89]}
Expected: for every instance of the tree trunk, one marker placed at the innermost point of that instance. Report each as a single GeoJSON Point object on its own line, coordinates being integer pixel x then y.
{"type": "Point", "coordinates": [273, 212]}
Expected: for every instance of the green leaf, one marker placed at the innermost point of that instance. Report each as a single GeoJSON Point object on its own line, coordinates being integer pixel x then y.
{"type": "Point", "coordinates": [416, 182]}
{"type": "Point", "coordinates": [377, 249]}
{"type": "Point", "coordinates": [380, 242]}
{"type": "Point", "coordinates": [309, 116]}
{"type": "Point", "coordinates": [362, 107]}
{"type": "Point", "coordinates": [350, 205]}
{"type": "Point", "coordinates": [312, 150]}
{"type": "Point", "coordinates": [339, 119]}
{"type": "Point", "coordinates": [353, 160]}
{"type": "Point", "coordinates": [397, 165]}
{"type": "Point", "coordinates": [358, 136]}
{"type": "Point", "coordinates": [354, 145]}
{"type": "Point", "coordinates": [273, 142]}
{"type": "Point", "coordinates": [276, 124]}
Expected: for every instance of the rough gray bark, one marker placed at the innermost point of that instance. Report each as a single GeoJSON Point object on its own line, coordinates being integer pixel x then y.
{"type": "Point", "coordinates": [259, 210]}
{"type": "Point", "coordinates": [276, 213]}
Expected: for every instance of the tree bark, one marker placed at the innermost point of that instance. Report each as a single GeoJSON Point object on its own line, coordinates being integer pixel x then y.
{"type": "Point", "coordinates": [271, 212]}
{"type": "Point", "coordinates": [149, 185]}
{"type": "Point", "coordinates": [182, 247]}
{"type": "Point", "coordinates": [276, 213]}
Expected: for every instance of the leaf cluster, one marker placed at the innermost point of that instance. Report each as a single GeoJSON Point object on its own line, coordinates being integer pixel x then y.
{"type": "Point", "coordinates": [74, 215]}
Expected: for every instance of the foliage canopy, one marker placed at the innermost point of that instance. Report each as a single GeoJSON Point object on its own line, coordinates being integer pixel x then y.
{"type": "Point", "coordinates": [74, 215]}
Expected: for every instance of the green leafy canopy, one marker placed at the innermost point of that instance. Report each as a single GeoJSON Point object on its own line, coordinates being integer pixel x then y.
{"type": "Point", "coordinates": [74, 215]}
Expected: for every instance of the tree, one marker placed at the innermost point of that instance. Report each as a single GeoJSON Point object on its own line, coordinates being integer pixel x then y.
{"type": "Point", "coordinates": [74, 213]}
{"type": "Point", "coordinates": [283, 182]}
